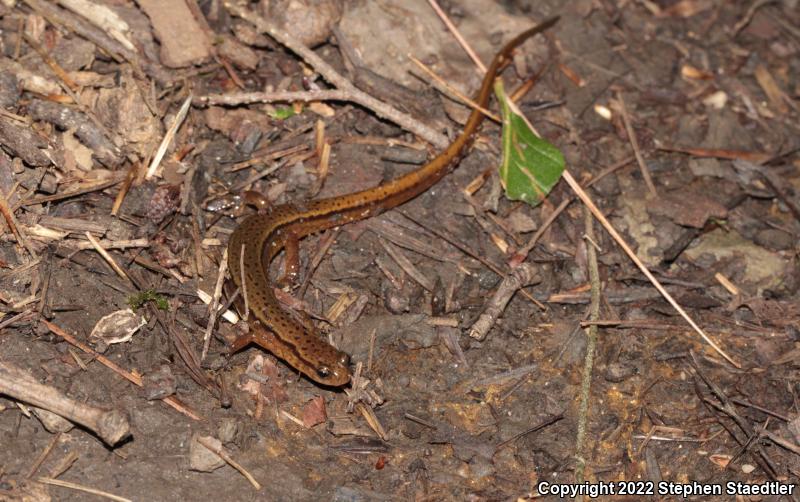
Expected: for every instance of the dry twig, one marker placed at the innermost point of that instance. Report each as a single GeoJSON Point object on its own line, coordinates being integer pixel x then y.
{"type": "Point", "coordinates": [168, 137]}
{"type": "Point", "coordinates": [82, 488]}
{"type": "Point", "coordinates": [452, 91]}
{"type": "Point", "coordinates": [457, 35]}
{"type": "Point", "coordinates": [213, 307]}
{"type": "Point", "coordinates": [227, 458]}
{"type": "Point", "coordinates": [107, 257]}
{"type": "Point", "coordinates": [635, 145]}
{"type": "Point", "coordinates": [588, 363]}
{"type": "Point", "coordinates": [523, 275]}
{"type": "Point", "coordinates": [111, 426]}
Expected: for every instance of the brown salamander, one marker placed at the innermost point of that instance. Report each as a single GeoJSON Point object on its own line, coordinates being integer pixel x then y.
{"type": "Point", "coordinates": [260, 237]}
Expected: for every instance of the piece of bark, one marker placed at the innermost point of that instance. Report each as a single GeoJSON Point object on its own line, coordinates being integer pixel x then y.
{"type": "Point", "coordinates": [183, 40]}
{"type": "Point", "coordinates": [241, 55]}
{"type": "Point", "coordinates": [115, 49]}
{"type": "Point", "coordinates": [29, 80]}
{"type": "Point", "coordinates": [9, 90]}
{"type": "Point", "coordinates": [67, 118]}
{"type": "Point", "coordinates": [123, 109]}
{"type": "Point", "coordinates": [22, 142]}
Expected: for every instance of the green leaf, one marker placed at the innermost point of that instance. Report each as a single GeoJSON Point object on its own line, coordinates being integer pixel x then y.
{"type": "Point", "coordinates": [281, 113]}
{"type": "Point", "coordinates": [531, 166]}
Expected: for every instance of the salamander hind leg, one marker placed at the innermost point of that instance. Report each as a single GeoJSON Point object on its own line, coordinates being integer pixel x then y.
{"type": "Point", "coordinates": [291, 260]}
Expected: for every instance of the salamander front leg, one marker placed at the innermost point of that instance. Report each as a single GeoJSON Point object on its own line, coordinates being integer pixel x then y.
{"type": "Point", "coordinates": [241, 342]}
{"type": "Point", "coordinates": [256, 334]}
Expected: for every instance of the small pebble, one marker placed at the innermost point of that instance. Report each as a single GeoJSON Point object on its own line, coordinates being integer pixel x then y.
{"type": "Point", "coordinates": [227, 430]}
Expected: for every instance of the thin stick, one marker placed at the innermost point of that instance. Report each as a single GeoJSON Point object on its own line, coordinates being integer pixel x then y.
{"type": "Point", "coordinates": [82, 488]}
{"type": "Point", "coordinates": [745, 20]}
{"type": "Point", "coordinates": [325, 243]}
{"type": "Point", "coordinates": [213, 307]}
{"type": "Point", "coordinates": [30, 312]}
{"type": "Point", "coordinates": [452, 91]}
{"type": "Point", "coordinates": [107, 257]}
{"type": "Point", "coordinates": [635, 145]}
{"type": "Point", "coordinates": [123, 191]}
{"type": "Point", "coordinates": [457, 35]}
{"type": "Point", "coordinates": [106, 244]}
{"type": "Point", "coordinates": [11, 221]}
{"type": "Point", "coordinates": [294, 419]}
{"type": "Point", "coordinates": [64, 464]}
{"type": "Point", "coordinates": [449, 238]}
{"type": "Point", "coordinates": [42, 456]}
{"type": "Point", "coordinates": [242, 98]}
{"type": "Point", "coordinates": [229, 315]}
{"type": "Point", "coordinates": [273, 155]}
{"type": "Point", "coordinates": [524, 433]}
{"type": "Point", "coordinates": [52, 63]}
{"type": "Point", "coordinates": [524, 275]}
{"type": "Point", "coordinates": [588, 362]}
{"type": "Point", "coordinates": [168, 137]}
{"type": "Point", "coordinates": [727, 284]}
{"type": "Point", "coordinates": [372, 420]}
{"type": "Point", "coordinates": [101, 185]}
{"type": "Point", "coordinates": [523, 252]}
{"type": "Point", "coordinates": [408, 267]}
{"type": "Point", "coordinates": [227, 458]}
{"type": "Point", "coordinates": [258, 175]}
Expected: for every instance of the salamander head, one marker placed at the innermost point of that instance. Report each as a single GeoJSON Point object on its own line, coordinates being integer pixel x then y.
{"type": "Point", "coordinates": [336, 374]}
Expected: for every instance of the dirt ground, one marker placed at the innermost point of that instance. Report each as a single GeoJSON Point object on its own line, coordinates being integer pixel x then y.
{"type": "Point", "coordinates": [680, 118]}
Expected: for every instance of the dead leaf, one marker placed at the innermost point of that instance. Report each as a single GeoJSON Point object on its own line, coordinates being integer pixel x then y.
{"type": "Point", "coordinates": [720, 460]}
{"type": "Point", "coordinates": [314, 412]}
{"type": "Point", "coordinates": [690, 72]}
{"type": "Point", "coordinates": [687, 209]}
{"type": "Point", "coordinates": [183, 40]}
{"type": "Point", "coordinates": [116, 327]}
{"type": "Point", "coordinates": [521, 223]}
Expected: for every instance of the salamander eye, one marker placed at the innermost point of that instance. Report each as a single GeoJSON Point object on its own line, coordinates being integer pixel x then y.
{"type": "Point", "coordinates": [344, 360]}
{"type": "Point", "coordinates": [323, 372]}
